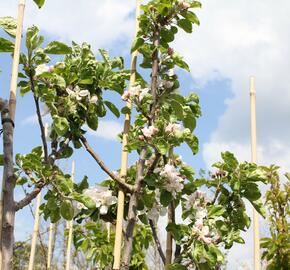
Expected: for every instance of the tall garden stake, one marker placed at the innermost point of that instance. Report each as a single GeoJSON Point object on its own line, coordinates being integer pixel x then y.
{"type": "Point", "coordinates": [50, 243]}
{"type": "Point", "coordinates": [124, 158]}
{"type": "Point", "coordinates": [12, 99]}
{"type": "Point", "coordinates": [36, 223]}
{"type": "Point", "coordinates": [70, 228]}
{"type": "Point", "coordinates": [35, 232]}
{"type": "Point", "coordinates": [254, 160]}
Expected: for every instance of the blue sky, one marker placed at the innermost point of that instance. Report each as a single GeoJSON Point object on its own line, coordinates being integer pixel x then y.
{"type": "Point", "coordinates": [236, 39]}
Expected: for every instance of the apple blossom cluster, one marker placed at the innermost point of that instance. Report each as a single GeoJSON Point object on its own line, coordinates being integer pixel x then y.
{"type": "Point", "coordinates": [102, 196]}
{"type": "Point", "coordinates": [135, 91]}
{"type": "Point", "coordinates": [184, 4]}
{"type": "Point", "coordinates": [78, 94]}
{"type": "Point", "coordinates": [173, 128]}
{"type": "Point", "coordinates": [198, 201]}
{"type": "Point", "coordinates": [173, 180]}
{"type": "Point", "coordinates": [42, 69]}
{"type": "Point", "coordinates": [148, 132]}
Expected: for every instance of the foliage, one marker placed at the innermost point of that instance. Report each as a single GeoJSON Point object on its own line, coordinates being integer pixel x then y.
{"type": "Point", "coordinates": [276, 247]}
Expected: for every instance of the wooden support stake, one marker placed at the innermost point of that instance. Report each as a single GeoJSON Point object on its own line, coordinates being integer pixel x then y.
{"type": "Point", "coordinates": [50, 244]}
{"type": "Point", "coordinates": [35, 232]}
{"type": "Point", "coordinates": [254, 160]}
{"type": "Point", "coordinates": [124, 158]}
{"type": "Point", "coordinates": [13, 88]}
{"type": "Point", "coordinates": [70, 227]}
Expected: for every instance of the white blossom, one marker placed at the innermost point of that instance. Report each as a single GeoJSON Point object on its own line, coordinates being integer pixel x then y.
{"type": "Point", "coordinates": [135, 91]}
{"type": "Point", "coordinates": [173, 128]}
{"type": "Point", "coordinates": [150, 131]}
{"type": "Point", "coordinates": [173, 183]}
{"type": "Point", "coordinates": [77, 93]}
{"type": "Point", "coordinates": [102, 196]}
{"type": "Point", "coordinates": [165, 84]}
{"type": "Point", "coordinates": [43, 68]}
{"type": "Point", "coordinates": [93, 99]}
{"type": "Point", "coordinates": [143, 92]}
{"type": "Point", "coordinates": [156, 211]}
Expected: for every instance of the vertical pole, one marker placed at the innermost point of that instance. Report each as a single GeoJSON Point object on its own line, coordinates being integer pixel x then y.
{"type": "Point", "coordinates": [254, 160]}
{"type": "Point", "coordinates": [35, 232]}
{"type": "Point", "coordinates": [124, 157]}
{"type": "Point", "coordinates": [13, 87]}
{"type": "Point", "coordinates": [50, 242]}
{"type": "Point", "coordinates": [70, 227]}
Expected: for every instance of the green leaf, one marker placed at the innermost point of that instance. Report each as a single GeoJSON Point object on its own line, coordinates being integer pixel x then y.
{"type": "Point", "coordinates": [178, 60]}
{"type": "Point", "coordinates": [67, 210]}
{"type": "Point", "coordinates": [39, 3]}
{"type": "Point", "coordinates": [258, 205]}
{"type": "Point", "coordinates": [60, 125]}
{"type": "Point", "coordinates": [178, 109]}
{"type": "Point", "coordinates": [137, 43]}
{"type": "Point", "coordinates": [56, 47]}
{"type": "Point", "coordinates": [9, 25]}
{"type": "Point", "coordinates": [165, 198]}
{"type": "Point", "coordinates": [252, 192]}
{"type": "Point", "coordinates": [32, 38]}
{"type": "Point", "coordinates": [193, 144]}
{"type": "Point", "coordinates": [126, 110]}
{"type": "Point", "coordinates": [112, 108]}
{"type": "Point", "coordinates": [6, 45]}
{"type": "Point", "coordinates": [185, 25]}
{"type": "Point", "coordinates": [191, 17]}
{"type": "Point", "coordinates": [92, 121]}
{"type": "Point", "coordinates": [215, 210]}
{"type": "Point", "coordinates": [230, 159]}
{"type": "Point", "coordinates": [1, 160]}
{"type": "Point", "coordinates": [175, 231]}
{"type": "Point", "coordinates": [105, 55]}
{"type": "Point", "coordinates": [189, 120]}
{"type": "Point", "coordinates": [177, 266]}
{"type": "Point", "coordinates": [162, 147]}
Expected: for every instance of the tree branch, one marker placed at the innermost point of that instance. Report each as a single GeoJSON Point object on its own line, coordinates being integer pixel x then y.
{"type": "Point", "coordinates": [42, 129]}
{"type": "Point", "coordinates": [116, 178]}
{"type": "Point", "coordinates": [157, 242]}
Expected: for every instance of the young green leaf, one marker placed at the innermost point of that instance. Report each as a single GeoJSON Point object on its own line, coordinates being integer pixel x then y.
{"type": "Point", "coordinates": [67, 210]}
{"type": "Point", "coordinates": [39, 3]}
{"type": "Point", "coordinates": [112, 108]}
{"type": "Point", "coordinates": [9, 25]}
{"type": "Point", "coordinates": [6, 45]}
{"type": "Point", "coordinates": [137, 43]}
{"type": "Point", "coordinates": [56, 47]}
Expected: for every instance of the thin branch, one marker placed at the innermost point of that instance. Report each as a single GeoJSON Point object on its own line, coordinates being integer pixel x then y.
{"type": "Point", "coordinates": [157, 242]}
{"type": "Point", "coordinates": [115, 177]}
{"type": "Point", "coordinates": [29, 197]}
{"type": "Point", "coordinates": [39, 117]}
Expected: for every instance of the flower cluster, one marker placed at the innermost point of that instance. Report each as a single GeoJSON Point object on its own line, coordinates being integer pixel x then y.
{"type": "Point", "coordinates": [198, 201]}
{"type": "Point", "coordinates": [78, 94]}
{"type": "Point", "coordinates": [42, 69]}
{"type": "Point", "coordinates": [102, 196]}
{"type": "Point", "coordinates": [135, 91]}
{"type": "Point", "coordinates": [173, 128]}
{"type": "Point", "coordinates": [174, 182]}
{"type": "Point", "coordinates": [148, 132]}
{"type": "Point", "coordinates": [184, 4]}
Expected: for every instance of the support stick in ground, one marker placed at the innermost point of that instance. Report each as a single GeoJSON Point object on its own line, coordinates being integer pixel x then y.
{"type": "Point", "coordinates": [124, 158]}
{"type": "Point", "coordinates": [70, 228]}
{"type": "Point", "coordinates": [35, 232]}
{"type": "Point", "coordinates": [50, 244]}
{"type": "Point", "coordinates": [12, 99]}
{"type": "Point", "coordinates": [257, 262]}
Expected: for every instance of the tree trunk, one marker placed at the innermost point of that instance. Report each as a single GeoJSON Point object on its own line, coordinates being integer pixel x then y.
{"type": "Point", "coordinates": [8, 191]}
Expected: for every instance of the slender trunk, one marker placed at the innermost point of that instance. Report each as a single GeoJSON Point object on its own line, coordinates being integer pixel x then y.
{"type": "Point", "coordinates": [8, 217]}
{"type": "Point", "coordinates": [132, 211]}
{"type": "Point", "coordinates": [169, 240]}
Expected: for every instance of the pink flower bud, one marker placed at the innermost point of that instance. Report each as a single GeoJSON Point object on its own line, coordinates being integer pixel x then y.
{"type": "Point", "coordinates": [141, 137]}
{"type": "Point", "coordinates": [170, 51]}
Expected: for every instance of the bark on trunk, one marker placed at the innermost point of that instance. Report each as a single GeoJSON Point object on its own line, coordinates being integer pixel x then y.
{"type": "Point", "coordinates": [132, 212]}
{"type": "Point", "coordinates": [8, 191]}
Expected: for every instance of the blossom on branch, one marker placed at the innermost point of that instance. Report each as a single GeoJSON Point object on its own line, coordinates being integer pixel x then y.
{"type": "Point", "coordinates": [43, 68]}
{"type": "Point", "coordinates": [149, 132]}
{"type": "Point", "coordinates": [102, 196]}
{"type": "Point", "coordinates": [77, 93]}
{"type": "Point", "coordinates": [174, 182]}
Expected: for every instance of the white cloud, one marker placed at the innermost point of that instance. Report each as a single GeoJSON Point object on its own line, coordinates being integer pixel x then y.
{"type": "Point", "coordinates": [98, 22]}
{"type": "Point", "coordinates": [107, 130]}
{"type": "Point", "coordinates": [29, 120]}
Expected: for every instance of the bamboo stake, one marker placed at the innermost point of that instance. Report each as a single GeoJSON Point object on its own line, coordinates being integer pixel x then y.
{"type": "Point", "coordinates": [70, 227]}
{"type": "Point", "coordinates": [254, 160]}
{"type": "Point", "coordinates": [35, 232]}
{"type": "Point", "coordinates": [13, 87]}
{"type": "Point", "coordinates": [50, 244]}
{"type": "Point", "coordinates": [124, 157]}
